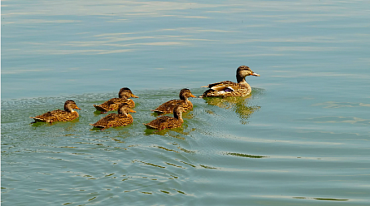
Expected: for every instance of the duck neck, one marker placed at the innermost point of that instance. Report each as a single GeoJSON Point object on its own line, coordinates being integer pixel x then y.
{"type": "Point", "coordinates": [183, 97]}
{"type": "Point", "coordinates": [186, 100]}
{"type": "Point", "coordinates": [178, 115]}
{"type": "Point", "coordinates": [67, 108]}
{"type": "Point", "coordinates": [122, 112]}
{"type": "Point", "coordinates": [240, 79]}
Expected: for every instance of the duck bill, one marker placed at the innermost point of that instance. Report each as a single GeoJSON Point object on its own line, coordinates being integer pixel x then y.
{"type": "Point", "coordinates": [193, 96]}
{"type": "Point", "coordinates": [134, 96]}
{"type": "Point", "coordinates": [77, 108]}
{"type": "Point", "coordinates": [132, 111]}
{"type": "Point", "coordinates": [255, 74]}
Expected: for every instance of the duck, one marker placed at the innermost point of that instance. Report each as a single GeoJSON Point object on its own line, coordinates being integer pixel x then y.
{"type": "Point", "coordinates": [167, 107]}
{"type": "Point", "coordinates": [112, 104]}
{"type": "Point", "coordinates": [123, 118]}
{"type": "Point", "coordinates": [68, 114]}
{"type": "Point", "coordinates": [229, 88]}
{"type": "Point", "coordinates": [166, 122]}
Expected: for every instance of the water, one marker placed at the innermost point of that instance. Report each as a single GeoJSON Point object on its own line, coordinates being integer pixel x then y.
{"type": "Point", "coordinates": [301, 138]}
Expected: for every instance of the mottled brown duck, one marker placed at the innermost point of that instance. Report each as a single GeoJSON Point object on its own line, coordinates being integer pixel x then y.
{"type": "Point", "coordinates": [123, 118]}
{"type": "Point", "coordinates": [68, 114]}
{"type": "Point", "coordinates": [166, 122]}
{"type": "Point", "coordinates": [111, 105]}
{"type": "Point", "coordinates": [232, 89]}
{"type": "Point", "coordinates": [168, 107]}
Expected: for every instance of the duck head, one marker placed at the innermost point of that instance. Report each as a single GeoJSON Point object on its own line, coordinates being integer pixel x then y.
{"type": "Point", "coordinates": [69, 105]}
{"type": "Point", "coordinates": [124, 109]}
{"type": "Point", "coordinates": [185, 94]}
{"type": "Point", "coordinates": [244, 71]}
{"type": "Point", "coordinates": [126, 93]}
{"type": "Point", "coordinates": [177, 112]}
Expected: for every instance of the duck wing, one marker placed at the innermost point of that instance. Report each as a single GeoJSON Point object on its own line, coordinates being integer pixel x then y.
{"type": "Point", "coordinates": [104, 122]}
{"type": "Point", "coordinates": [164, 122]}
{"type": "Point", "coordinates": [56, 116]}
{"type": "Point", "coordinates": [112, 104]}
{"type": "Point", "coordinates": [168, 107]}
{"type": "Point", "coordinates": [226, 89]}
{"type": "Point", "coordinates": [122, 120]}
{"type": "Point", "coordinates": [113, 120]}
{"type": "Point", "coordinates": [219, 83]}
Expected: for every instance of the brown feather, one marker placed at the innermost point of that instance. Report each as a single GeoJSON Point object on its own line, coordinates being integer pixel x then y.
{"type": "Point", "coordinates": [166, 122]}
{"type": "Point", "coordinates": [113, 104]}
{"type": "Point", "coordinates": [116, 120]}
{"type": "Point", "coordinates": [229, 88]}
{"type": "Point", "coordinates": [68, 114]}
{"type": "Point", "coordinates": [167, 107]}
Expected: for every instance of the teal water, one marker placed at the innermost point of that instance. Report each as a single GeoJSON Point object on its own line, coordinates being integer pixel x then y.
{"type": "Point", "coordinates": [301, 138]}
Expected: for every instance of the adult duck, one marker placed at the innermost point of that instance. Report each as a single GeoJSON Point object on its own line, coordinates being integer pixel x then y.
{"type": "Point", "coordinates": [232, 89]}
{"type": "Point", "coordinates": [111, 105]}
{"type": "Point", "coordinates": [166, 122]}
{"type": "Point", "coordinates": [168, 107]}
{"type": "Point", "coordinates": [123, 118]}
{"type": "Point", "coordinates": [68, 114]}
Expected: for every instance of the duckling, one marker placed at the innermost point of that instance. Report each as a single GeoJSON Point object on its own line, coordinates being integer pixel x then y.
{"type": "Point", "coordinates": [116, 120]}
{"type": "Point", "coordinates": [168, 107]}
{"type": "Point", "coordinates": [68, 114]}
{"type": "Point", "coordinates": [166, 122]}
{"type": "Point", "coordinates": [229, 88]}
{"type": "Point", "coordinates": [112, 104]}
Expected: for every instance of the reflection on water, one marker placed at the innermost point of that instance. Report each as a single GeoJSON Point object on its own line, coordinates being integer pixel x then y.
{"type": "Point", "coordinates": [178, 133]}
{"type": "Point", "coordinates": [238, 104]}
{"type": "Point", "coordinates": [66, 125]}
{"type": "Point", "coordinates": [132, 162]}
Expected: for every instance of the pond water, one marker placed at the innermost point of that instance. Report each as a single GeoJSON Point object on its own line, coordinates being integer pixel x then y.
{"type": "Point", "coordinates": [301, 138]}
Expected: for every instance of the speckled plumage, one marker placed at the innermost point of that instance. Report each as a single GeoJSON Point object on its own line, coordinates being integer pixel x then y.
{"type": "Point", "coordinates": [166, 122]}
{"type": "Point", "coordinates": [113, 104]}
{"type": "Point", "coordinates": [229, 88]}
{"type": "Point", "coordinates": [116, 120]}
{"type": "Point", "coordinates": [68, 114]}
{"type": "Point", "coordinates": [168, 107]}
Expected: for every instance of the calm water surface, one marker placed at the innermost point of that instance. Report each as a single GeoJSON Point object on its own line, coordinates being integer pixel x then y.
{"type": "Point", "coordinates": [301, 138]}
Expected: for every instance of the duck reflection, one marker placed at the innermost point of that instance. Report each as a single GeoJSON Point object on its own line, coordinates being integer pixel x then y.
{"type": "Point", "coordinates": [238, 104]}
{"type": "Point", "coordinates": [69, 124]}
{"type": "Point", "coordinates": [59, 126]}
{"type": "Point", "coordinates": [178, 133]}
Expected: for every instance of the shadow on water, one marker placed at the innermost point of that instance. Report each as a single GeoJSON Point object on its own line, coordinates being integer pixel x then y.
{"type": "Point", "coordinates": [318, 198]}
{"type": "Point", "coordinates": [238, 104]}
{"type": "Point", "coordinates": [245, 155]}
{"type": "Point", "coordinates": [97, 113]}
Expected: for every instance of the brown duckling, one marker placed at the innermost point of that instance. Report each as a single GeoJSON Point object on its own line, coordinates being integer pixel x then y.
{"type": "Point", "coordinates": [168, 107]}
{"type": "Point", "coordinates": [112, 104]}
{"type": "Point", "coordinates": [232, 89]}
{"type": "Point", "coordinates": [166, 122]}
{"type": "Point", "coordinates": [116, 120]}
{"type": "Point", "coordinates": [68, 114]}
